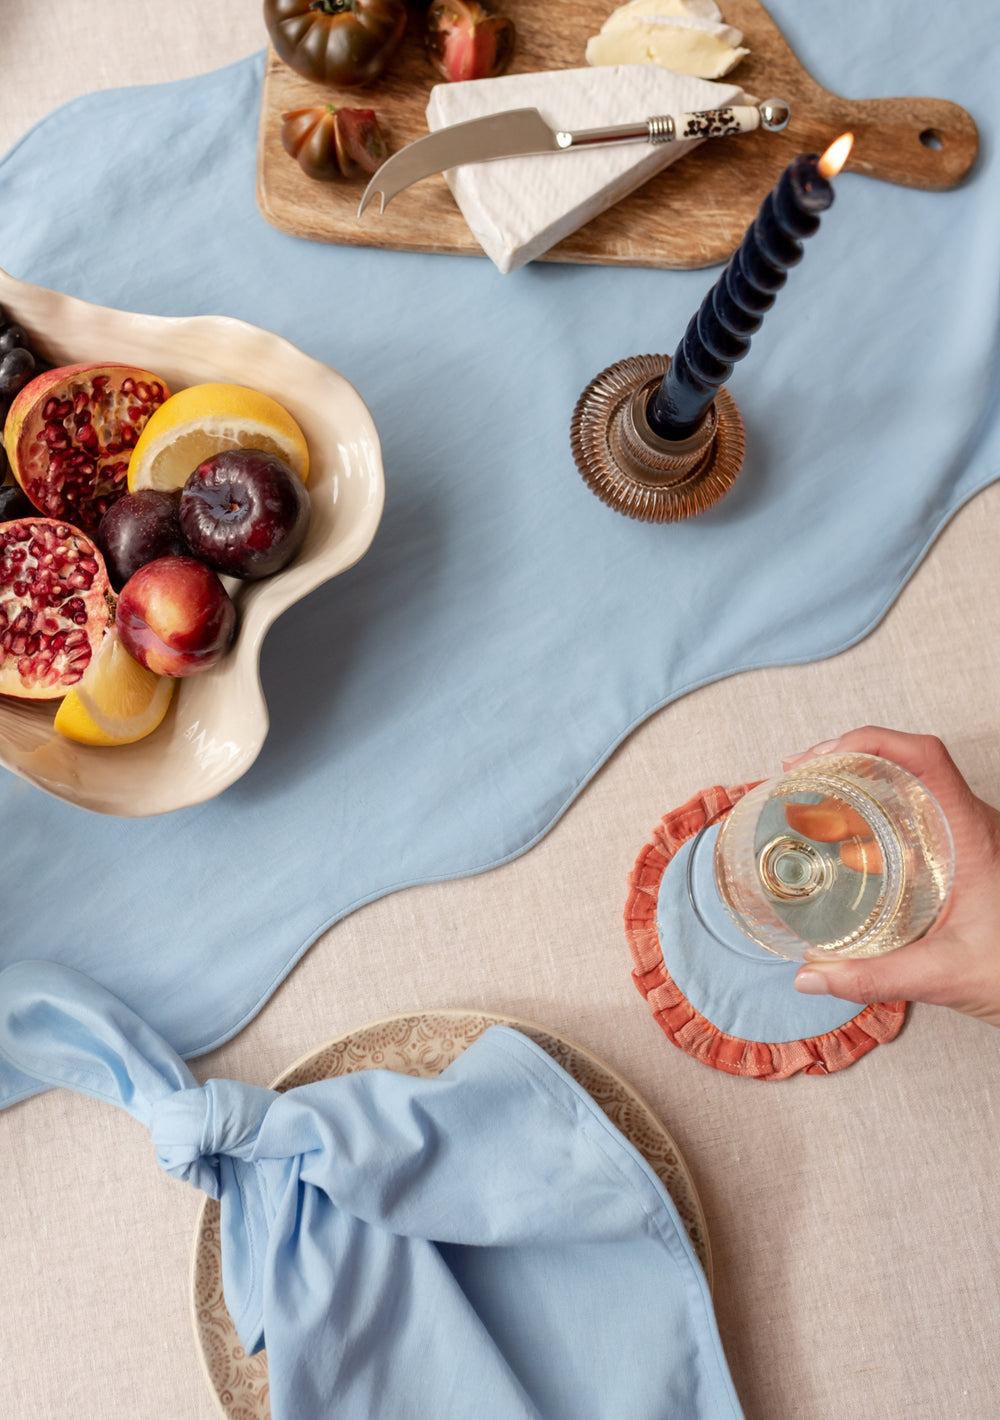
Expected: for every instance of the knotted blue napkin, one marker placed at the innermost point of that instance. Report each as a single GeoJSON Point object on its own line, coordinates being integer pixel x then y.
{"type": "Point", "coordinates": [437, 708]}
{"type": "Point", "coordinates": [480, 1246]}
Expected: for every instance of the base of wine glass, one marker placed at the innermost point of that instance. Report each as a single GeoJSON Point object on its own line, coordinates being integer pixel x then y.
{"type": "Point", "coordinates": [707, 905]}
{"type": "Point", "coordinates": [633, 469]}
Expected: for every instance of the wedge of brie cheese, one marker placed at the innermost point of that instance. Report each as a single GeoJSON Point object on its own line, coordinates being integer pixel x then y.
{"type": "Point", "coordinates": [686, 36]}
{"type": "Point", "coordinates": [517, 208]}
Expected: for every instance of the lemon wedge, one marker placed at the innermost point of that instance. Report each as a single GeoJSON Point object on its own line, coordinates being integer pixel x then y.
{"type": "Point", "coordinates": [117, 701]}
{"type": "Point", "coordinates": [202, 420]}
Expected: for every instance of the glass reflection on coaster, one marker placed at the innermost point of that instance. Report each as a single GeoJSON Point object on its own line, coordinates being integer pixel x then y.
{"type": "Point", "coordinates": [719, 995]}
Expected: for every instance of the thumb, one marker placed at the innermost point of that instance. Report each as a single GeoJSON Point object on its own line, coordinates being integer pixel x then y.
{"type": "Point", "coordinates": [911, 973]}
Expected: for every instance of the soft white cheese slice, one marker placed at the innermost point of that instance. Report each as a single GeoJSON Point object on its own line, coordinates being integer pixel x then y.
{"type": "Point", "coordinates": [517, 208]}
{"type": "Point", "coordinates": [683, 49]}
{"type": "Point", "coordinates": [683, 35]}
{"type": "Point", "coordinates": [728, 37]}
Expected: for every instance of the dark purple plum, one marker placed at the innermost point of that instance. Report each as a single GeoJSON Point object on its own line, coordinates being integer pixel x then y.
{"type": "Point", "coordinates": [244, 512]}
{"type": "Point", "coordinates": [139, 528]}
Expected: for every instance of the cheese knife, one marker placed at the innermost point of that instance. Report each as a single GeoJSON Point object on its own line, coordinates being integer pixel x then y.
{"type": "Point", "coordinates": [522, 131]}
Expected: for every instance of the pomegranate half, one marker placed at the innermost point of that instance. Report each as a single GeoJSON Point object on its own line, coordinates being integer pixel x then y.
{"type": "Point", "coordinates": [55, 605]}
{"type": "Point", "coordinates": [70, 432]}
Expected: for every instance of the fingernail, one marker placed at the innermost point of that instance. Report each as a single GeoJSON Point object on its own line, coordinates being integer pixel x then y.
{"type": "Point", "coordinates": [811, 982]}
{"type": "Point", "coordinates": [824, 748]}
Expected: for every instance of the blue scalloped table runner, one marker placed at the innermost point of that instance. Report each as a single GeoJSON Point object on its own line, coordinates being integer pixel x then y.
{"type": "Point", "coordinates": [435, 709]}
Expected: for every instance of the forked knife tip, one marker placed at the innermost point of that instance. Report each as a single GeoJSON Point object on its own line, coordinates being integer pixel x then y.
{"type": "Point", "coordinates": [368, 197]}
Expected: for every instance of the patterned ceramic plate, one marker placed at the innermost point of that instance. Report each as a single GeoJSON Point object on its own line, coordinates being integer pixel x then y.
{"type": "Point", "coordinates": [420, 1045]}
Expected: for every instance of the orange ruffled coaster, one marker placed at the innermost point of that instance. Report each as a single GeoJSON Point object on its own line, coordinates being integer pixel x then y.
{"type": "Point", "coordinates": [686, 1026]}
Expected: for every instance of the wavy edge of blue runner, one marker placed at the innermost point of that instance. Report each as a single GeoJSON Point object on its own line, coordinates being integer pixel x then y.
{"type": "Point", "coordinates": [257, 58]}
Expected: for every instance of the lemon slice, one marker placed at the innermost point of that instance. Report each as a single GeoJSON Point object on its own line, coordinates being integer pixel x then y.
{"type": "Point", "coordinates": [202, 420]}
{"type": "Point", "coordinates": [117, 701]}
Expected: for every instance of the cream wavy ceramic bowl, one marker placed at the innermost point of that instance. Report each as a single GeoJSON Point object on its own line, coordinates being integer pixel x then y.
{"type": "Point", "coordinates": [218, 721]}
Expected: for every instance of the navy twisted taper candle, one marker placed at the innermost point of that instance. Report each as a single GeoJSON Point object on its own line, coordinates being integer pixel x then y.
{"type": "Point", "coordinates": [719, 333]}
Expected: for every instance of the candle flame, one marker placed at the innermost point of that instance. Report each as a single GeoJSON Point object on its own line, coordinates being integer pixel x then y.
{"type": "Point", "coordinates": [836, 156]}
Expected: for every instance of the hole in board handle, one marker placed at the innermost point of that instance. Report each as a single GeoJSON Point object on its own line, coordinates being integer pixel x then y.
{"type": "Point", "coordinates": [931, 138]}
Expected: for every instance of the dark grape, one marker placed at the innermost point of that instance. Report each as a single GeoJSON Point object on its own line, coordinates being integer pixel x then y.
{"type": "Point", "coordinates": [15, 504]}
{"type": "Point", "coordinates": [18, 363]}
{"type": "Point", "coordinates": [16, 369]}
{"type": "Point", "coordinates": [12, 337]}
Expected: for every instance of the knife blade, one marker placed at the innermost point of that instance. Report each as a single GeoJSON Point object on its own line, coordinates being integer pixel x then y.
{"type": "Point", "coordinates": [523, 132]}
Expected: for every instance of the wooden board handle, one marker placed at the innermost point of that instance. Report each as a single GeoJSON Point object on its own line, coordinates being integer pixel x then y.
{"type": "Point", "coordinates": [916, 142]}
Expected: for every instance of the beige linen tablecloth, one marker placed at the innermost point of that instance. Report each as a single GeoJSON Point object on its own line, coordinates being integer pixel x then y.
{"type": "Point", "coordinates": [854, 1219]}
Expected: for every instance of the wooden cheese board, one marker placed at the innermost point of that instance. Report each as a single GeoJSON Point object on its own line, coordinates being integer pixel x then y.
{"type": "Point", "coordinates": [692, 214]}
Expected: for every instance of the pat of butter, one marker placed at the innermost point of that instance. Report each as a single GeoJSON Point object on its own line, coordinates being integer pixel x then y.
{"type": "Point", "coordinates": [517, 208]}
{"type": "Point", "coordinates": [686, 36]}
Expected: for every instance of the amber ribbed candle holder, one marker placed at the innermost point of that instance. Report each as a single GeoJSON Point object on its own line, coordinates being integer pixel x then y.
{"type": "Point", "coordinates": [633, 469]}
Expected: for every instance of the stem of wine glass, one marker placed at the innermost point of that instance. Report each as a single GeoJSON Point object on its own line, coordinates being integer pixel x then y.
{"type": "Point", "coordinates": [699, 884]}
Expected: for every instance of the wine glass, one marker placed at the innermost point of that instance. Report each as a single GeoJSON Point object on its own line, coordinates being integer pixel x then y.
{"type": "Point", "coordinates": [849, 854]}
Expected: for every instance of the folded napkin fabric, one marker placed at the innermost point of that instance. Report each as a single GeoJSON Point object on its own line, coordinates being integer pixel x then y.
{"type": "Point", "coordinates": [478, 1246]}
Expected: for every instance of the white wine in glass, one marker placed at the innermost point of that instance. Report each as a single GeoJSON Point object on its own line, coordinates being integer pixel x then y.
{"type": "Point", "coordinates": [848, 854]}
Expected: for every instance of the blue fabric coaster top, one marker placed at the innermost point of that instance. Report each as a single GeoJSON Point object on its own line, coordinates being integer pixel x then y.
{"type": "Point", "coordinates": [739, 987]}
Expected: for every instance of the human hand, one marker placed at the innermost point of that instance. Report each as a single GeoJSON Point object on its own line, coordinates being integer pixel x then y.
{"type": "Point", "coordinates": [957, 963]}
